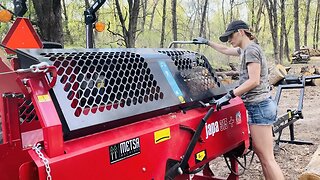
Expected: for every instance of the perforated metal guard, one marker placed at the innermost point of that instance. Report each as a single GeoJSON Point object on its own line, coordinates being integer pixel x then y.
{"type": "Point", "coordinates": [100, 85]}
{"type": "Point", "coordinates": [195, 70]}
{"type": "Point", "coordinates": [27, 112]}
{"type": "Point", "coordinates": [106, 80]}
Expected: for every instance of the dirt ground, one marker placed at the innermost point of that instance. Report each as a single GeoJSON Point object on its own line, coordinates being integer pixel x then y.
{"type": "Point", "coordinates": [292, 158]}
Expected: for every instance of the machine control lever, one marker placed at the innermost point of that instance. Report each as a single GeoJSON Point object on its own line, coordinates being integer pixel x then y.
{"type": "Point", "coordinates": [179, 168]}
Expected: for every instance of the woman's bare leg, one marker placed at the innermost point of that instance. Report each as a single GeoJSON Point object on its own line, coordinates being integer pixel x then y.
{"type": "Point", "coordinates": [263, 146]}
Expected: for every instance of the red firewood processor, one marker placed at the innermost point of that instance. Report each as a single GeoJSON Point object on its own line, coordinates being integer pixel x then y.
{"type": "Point", "coordinates": [112, 113]}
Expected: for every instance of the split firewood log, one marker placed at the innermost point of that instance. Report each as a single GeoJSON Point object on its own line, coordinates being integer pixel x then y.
{"type": "Point", "coordinates": [312, 170]}
{"type": "Point", "coordinates": [316, 82]}
{"type": "Point", "coordinates": [276, 74]}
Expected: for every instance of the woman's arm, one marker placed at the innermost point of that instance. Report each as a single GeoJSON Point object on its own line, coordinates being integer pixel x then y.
{"type": "Point", "coordinates": [224, 49]}
{"type": "Point", "coordinates": [254, 71]}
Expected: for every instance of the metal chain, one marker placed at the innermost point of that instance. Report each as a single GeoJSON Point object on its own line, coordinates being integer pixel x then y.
{"type": "Point", "coordinates": [37, 148]}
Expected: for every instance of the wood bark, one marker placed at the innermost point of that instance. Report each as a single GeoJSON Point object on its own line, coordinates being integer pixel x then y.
{"type": "Point", "coordinates": [253, 19]}
{"type": "Point", "coordinates": [282, 31]}
{"type": "Point", "coordinates": [296, 25]}
{"type": "Point", "coordinates": [203, 17]}
{"type": "Point", "coordinates": [144, 5]}
{"type": "Point", "coordinates": [277, 73]}
{"type": "Point", "coordinates": [306, 23]}
{"type": "Point", "coordinates": [152, 13]}
{"type": "Point", "coordinates": [271, 6]}
{"type": "Point", "coordinates": [231, 10]}
{"type": "Point", "coordinates": [49, 20]}
{"type": "Point", "coordinates": [316, 27]}
{"type": "Point", "coordinates": [228, 73]}
{"type": "Point", "coordinates": [174, 20]}
{"type": "Point", "coordinates": [256, 25]}
{"type": "Point", "coordinates": [163, 26]}
{"type": "Point", "coordinates": [129, 33]}
{"type": "Point", "coordinates": [193, 18]}
{"type": "Point", "coordinates": [223, 15]}
{"type": "Point", "coordinates": [66, 22]}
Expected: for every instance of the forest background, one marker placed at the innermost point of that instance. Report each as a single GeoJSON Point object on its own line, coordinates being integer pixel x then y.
{"type": "Point", "coordinates": [281, 26]}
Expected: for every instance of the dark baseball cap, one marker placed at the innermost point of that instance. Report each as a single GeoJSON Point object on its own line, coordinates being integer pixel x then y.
{"type": "Point", "coordinates": [234, 26]}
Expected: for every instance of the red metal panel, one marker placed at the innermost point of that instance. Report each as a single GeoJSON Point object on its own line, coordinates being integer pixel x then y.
{"type": "Point", "coordinates": [89, 157]}
{"type": "Point", "coordinates": [10, 119]}
{"type": "Point", "coordinates": [11, 157]}
{"type": "Point", "coordinates": [48, 116]}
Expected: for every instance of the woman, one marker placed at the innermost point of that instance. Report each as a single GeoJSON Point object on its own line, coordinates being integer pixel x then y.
{"type": "Point", "coordinates": [254, 91]}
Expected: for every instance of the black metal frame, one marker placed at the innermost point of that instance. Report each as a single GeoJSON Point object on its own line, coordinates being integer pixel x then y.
{"type": "Point", "coordinates": [90, 18]}
{"type": "Point", "coordinates": [289, 118]}
{"type": "Point", "coordinates": [20, 7]}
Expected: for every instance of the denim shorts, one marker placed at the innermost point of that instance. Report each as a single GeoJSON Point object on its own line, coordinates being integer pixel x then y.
{"type": "Point", "coordinates": [262, 113]}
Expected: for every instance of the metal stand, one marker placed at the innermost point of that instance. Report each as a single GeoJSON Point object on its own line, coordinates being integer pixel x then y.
{"type": "Point", "coordinates": [291, 116]}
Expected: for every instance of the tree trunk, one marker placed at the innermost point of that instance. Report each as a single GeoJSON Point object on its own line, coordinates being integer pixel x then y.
{"type": "Point", "coordinates": [49, 20]}
{"type": "Point", "coordinates": [203, 17]}
{"type": "Point", "coordinates": [129, 34]}
{"type": "Point", "coordinates": [208, 29]}
{"type": "Point", "coordinates": [231, 9]}
{"type": "Point", "coordinates": [283, 30]}
{"type": "Point", "coordinates": [152, 13]}
{"type": "Point", "coordinates": [316, 25]}
{"type": "Point", "coordinates": [87, 4]}
{"type": "Point", "coordinates": [253, 19]}
{"type": "Point", "coordinates": [259, 15]}
{"type": "Point", "coordinates": [144, 13]}
{"type": "Point", "coordinates": [306, 23]}
{"type": "Point", "coordinates": [286, 44]}
{"type": "Point", "coordinates": [193, 24]}
{"type": "Point", "coordinates": [163, 27]}
{"type": "Point", "coordinates": [133, 20]}
{"type": "Point", "coordinates": [223, 15]}
{"type": "Point", "coordinates": [66, 22]}
{"type": "Point", "coordinates": [273, 22]}
{"type": "Point", "coordinates": [174, 20]}
{"type": "Point", "coordinates": [296, 25]}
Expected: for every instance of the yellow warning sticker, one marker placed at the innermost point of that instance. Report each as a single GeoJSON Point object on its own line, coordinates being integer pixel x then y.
{"type": "Point", "coordinates": [162, 135]}
{"type": "Point", "coordinates": [181, 99]}
{"type": "Point", "coordinates": [44, 98]}
{"type": "Point", "coordinates": [200, 156]}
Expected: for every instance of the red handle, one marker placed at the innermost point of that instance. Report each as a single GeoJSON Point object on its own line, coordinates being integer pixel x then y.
{"type": "Point", "coordinates": [53, 71]}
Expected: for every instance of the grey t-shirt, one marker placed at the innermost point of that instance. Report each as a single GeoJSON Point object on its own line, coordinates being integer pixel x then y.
{"type": "Point", "coordinates": [254, 53]}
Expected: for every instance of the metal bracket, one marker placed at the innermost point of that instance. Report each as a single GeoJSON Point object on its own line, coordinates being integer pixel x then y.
{"type": "Point", "coordinates": [13, 95]}
{"type": "Point", "coordinates": [289, 118]}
